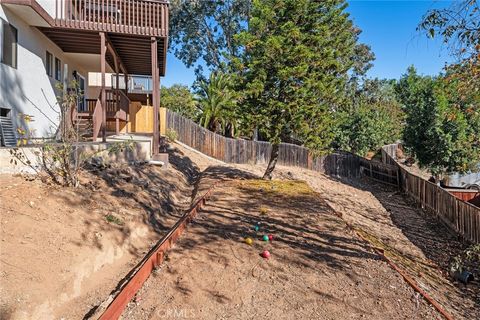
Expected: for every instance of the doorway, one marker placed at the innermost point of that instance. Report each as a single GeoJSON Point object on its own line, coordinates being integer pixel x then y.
{"type": "Point", "coordinates": [82, 101]}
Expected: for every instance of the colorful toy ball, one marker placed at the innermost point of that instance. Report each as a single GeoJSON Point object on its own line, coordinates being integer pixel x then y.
{"type": "Point", "coordinates": [249, 241]}
{"type": "Point", "coordinates": [265, 254]}
{"type": "Point", "coordinates": [265, 238]}
{"type": "Point", "coordinates": [270, 237]}
{"type": "Point", "coordinates": [256, 227]}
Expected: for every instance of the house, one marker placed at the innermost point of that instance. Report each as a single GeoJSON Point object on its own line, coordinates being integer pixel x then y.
{"type": "Point", "coordinates": [114, 49]}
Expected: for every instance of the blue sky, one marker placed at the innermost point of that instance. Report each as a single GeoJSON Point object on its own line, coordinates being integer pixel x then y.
{"type": "Point", "coordinates": [389, 27]}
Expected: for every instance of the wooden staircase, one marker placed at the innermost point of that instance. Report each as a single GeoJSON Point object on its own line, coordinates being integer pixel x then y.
{"type": "Point", "coordinates": [89, 122]}
{"type": "Point", "coordinates": [82, 123]}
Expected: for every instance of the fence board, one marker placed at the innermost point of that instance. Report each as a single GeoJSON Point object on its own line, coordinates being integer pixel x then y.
{"type": "Point", "coordinates": [258, 152]}
{"type": "Point", "coordinates": [460, 216]}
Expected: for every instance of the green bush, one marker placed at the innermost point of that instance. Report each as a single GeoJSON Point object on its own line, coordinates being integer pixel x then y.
{"type": "Point", "coordinates": [172, 135]}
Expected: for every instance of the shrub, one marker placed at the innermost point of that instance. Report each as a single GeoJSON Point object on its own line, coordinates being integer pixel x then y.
{"type": "Point", "coordinates": [172, 135]}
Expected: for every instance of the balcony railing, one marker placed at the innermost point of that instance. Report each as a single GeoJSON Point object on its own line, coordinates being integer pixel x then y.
{"type": "Point", "coordinates": [135, 83]}
{"type": "Point", "coordinates": [141, 17]}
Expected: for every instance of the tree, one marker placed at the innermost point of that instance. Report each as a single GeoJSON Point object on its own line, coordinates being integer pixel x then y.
{"type": "Point", "coordinates": [296, 62]}
{"type": "Point", "coordinates": [203, 31]}
{"type": "Point", "coordinates": [178, 98]}
{"type": "Point", "coordinates": [442, 134]}
{"type": "Point", "coordinates": [60, 161]}
{"type": "Point", "coordinates": [217, 102]}
{"type": "Point", "coordinates": [371, 118]}
{"type": "Point", "coordinates": [459, 25]}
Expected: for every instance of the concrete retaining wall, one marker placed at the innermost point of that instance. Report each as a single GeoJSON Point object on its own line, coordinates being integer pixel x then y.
{"type": "Point", "coordinates": [141, 152]}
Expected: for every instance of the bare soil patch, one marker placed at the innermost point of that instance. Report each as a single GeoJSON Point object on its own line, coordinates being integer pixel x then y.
{"type": "Point", "coordinates": [415, 241]}
{"type": "Point", "coordinates": [318, 270]}
{"type": "Point", "coordinates": [62, 250]}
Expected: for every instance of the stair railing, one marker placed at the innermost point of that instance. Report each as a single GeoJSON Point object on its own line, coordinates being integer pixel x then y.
{"type": "Point", "coordinates": [123, 105]}
{"type": "Point", "coordinates": [97, 118]}
{"type": "Point", "coordinates": [3, 143]}
{"type": "Point", "coordinates": [117, 106]}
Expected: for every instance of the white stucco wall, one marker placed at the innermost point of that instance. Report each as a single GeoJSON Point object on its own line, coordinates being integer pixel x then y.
{"type": "Point", "coordinates": [28, 89]}
{"type": "Point", "coordinates": [49, 6]}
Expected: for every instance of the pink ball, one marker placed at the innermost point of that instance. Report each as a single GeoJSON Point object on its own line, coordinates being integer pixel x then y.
{"type": "Point", "coordinates": [270, 237]}
{"type": "Point", "coordinates": [266, 254]}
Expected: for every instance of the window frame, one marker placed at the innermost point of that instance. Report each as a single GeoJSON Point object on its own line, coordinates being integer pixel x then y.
{"type": "Point", "coordinates": [14, 47]}
{"type": "Point", "coordinates": [58, 69]}
{"type": "Point", "coordinates": [49, 63]}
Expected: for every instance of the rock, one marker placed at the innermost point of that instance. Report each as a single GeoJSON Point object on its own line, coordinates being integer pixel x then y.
{"type": "Point", "coordinates": [97, 162]}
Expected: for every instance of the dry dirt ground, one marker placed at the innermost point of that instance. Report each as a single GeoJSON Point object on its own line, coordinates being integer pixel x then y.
{"type": "Point", "coordinates": [63, 250]}
{"type": "Point", "coordinates": [318, 268]}
{"type": "Point", "coordinates": [414, 241]}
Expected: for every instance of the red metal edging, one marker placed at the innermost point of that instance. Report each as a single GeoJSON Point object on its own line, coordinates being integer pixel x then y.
{"type": "Point", "coordinates": [150, 262]}
{"type": "Point", "coordinates": [414, 285]}
{"type": "Point", "coordinates": [407, 278]}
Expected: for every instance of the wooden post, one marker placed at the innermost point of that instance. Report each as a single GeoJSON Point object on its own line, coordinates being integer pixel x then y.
{"type": "Point", "coordinates": [103, 52]}
{"type": "Point", "coordinates": [117, 99]}
{"type": "Point", "coordinates": [125, 76]}
{"type": "Point", "coordinates": [156, 85]}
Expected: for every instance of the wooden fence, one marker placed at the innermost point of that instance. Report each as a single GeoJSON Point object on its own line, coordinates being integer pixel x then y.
{"type": "Point", "coordinates": [342, 164]}
{"type": "Point", "coordinates": [382, 172]}
{"type": "Point", "coordinates": [460, 216]}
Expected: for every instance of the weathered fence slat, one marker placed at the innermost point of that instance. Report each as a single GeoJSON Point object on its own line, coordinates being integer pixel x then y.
{"type": "Point", "coordinates": [460, 216]}
{"type": "Point", "coordinates": [258, 152]}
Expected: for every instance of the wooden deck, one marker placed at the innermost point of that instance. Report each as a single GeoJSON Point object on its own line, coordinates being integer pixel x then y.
{"type": "Point", "coordinates": [139, 17]}
{"type": "Point", "coordinates": [129, 35]}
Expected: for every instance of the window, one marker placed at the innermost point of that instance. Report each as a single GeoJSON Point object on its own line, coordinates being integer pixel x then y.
{"type": "Point", "coordinates": [49, 64]}
{"type": "Point", "coordinates": [58, 69]}
{"type": "Point", "coordinates": [8, 43]}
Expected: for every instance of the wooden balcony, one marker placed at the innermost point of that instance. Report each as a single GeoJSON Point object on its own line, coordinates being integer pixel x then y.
{"type": "Point", "coordinates": [129, 35]}
{"type": "Point", "coordinates": [136, 17]}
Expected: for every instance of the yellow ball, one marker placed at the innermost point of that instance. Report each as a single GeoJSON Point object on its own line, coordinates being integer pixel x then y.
{"type": "Point", "coordinates": [249, 241]}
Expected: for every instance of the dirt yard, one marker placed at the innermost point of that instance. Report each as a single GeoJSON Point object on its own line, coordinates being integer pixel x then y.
{"type": "Point", "coordinates": [416, 242]}
{"type": "Point", "coordinates": [62, 251]}
{"type": "Point", "coordinates": [318, 269]}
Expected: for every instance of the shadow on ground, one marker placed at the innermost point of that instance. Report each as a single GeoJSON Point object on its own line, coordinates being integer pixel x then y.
{"type": "Point", "coordinates": [300, 221]}
{"type": "Point", "coordinates": [426, 233]}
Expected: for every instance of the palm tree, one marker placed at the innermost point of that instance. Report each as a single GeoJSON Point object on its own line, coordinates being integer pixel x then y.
{"type": "Point", "coordinates": [217, 101]}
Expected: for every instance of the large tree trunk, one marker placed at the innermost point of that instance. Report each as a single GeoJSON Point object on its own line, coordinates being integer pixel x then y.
{"type": "Point", "coordinates": [272, 162]}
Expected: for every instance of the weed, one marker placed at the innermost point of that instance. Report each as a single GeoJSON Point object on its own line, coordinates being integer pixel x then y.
{"type": "Point", "coordinates": [172, 135]}
{"type": "Point", "coordinates": [289, 188]}
{"type": "Point", "coordinates": [112, 219]}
